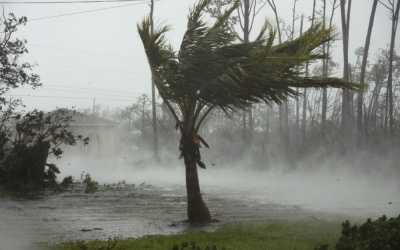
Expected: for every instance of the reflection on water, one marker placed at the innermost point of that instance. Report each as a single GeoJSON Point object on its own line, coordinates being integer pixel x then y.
{"type": "Point", "coordinates": [160, 206]}
{"type": "Point", "coordinates": [72, 216]}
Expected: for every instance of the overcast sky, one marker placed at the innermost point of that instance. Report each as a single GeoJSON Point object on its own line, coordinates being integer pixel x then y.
{"type": "Point", "coordinates": [97, 54]}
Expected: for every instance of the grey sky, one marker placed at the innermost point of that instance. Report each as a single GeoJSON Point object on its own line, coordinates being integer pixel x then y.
{"type": "Point", "coordinates": [99, 54]}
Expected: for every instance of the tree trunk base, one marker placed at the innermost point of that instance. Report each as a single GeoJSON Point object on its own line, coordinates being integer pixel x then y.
{"type": "Point", "coordinates": [197, 210]}
{"type": "Point", "coordinates": [198, 214]}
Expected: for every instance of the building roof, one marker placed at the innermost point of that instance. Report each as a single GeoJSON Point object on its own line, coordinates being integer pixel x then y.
{"type": "Point", "coordinates": [81, 119]}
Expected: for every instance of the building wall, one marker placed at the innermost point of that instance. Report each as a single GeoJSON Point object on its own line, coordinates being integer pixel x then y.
{"type": "Point", "coordinates": [101, 141]}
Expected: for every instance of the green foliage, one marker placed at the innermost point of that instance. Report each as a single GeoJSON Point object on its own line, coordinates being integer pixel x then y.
{"type": "Point", "coordinates": [85, 183]}
{"type": "Point", "coordinates": [91, 186]}
{"type": "Point", "coordinates": [67, 182]}
{"type": "Point", "coordinates": [26, 138]}
{"type": "Point", "coordinates": [382, 234]}
{"type": "Point", "coordinates": [26, 142]}
{"type": "Point", "coordinates": [12, 73]}
{"type": "Point", "coordinates": [212, 69]}
{"type": "Point", "coordinates": [322, 247]}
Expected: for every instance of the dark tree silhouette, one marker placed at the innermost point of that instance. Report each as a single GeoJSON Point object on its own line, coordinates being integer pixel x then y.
{"type": "Point", "coordinates": [12, 73]}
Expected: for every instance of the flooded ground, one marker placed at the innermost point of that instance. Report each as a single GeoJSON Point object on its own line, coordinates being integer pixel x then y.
{"type": "Point", "coordinates": [157, 203]}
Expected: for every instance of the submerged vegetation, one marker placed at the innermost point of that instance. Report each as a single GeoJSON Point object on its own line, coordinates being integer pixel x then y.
{"type": "Point", "coordinates": [119, 186]}
{"type": "Point", "coordinates": [91, 185]}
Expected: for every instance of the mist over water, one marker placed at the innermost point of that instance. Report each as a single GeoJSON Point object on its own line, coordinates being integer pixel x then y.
{"type": "Point", "coordinates": [361, 188]}
{"type": "Point", "coordinates": [336, 189]}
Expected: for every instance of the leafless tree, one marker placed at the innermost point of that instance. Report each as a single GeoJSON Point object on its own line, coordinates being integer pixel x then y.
{"type": "Point", "coordinates": [394, 16]}
{"type": "Point", "coordinates": [360, 96]}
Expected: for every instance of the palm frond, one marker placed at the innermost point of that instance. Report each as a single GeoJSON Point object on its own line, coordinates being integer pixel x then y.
{"type": "Point", "coordinates": [213, 69]}
{"type": "Point", "coordinates": [156, 48]}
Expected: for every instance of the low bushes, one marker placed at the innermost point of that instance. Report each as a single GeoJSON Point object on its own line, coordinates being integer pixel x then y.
{"type": "Point", "coordinates": [381, 234]}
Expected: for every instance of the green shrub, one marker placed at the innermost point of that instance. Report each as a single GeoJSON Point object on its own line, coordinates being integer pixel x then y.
{"type": "Point", "coordinates": [382, 234]}
{"type": "Point", "coordinates": [67, 182]}
{"type": "Point", "coordinates": [24, 151]}
{"type": "Point", "coordinates": [91, 186]}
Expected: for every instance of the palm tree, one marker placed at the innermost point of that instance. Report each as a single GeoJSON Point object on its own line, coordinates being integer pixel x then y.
{"type": "Point", "coordinates": [213, 70]}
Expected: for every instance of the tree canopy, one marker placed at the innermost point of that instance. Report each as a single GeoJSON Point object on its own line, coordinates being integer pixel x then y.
{"type": "Point", "coordinates": [212, 69]}
{"type": "Point", "coordinates": [26, 138]}
{"type": "Point", "coordinates": [12, 73]}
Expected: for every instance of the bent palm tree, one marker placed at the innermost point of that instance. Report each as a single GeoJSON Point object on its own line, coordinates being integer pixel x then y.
{"type": "Point", "coordinates": [212, 70]}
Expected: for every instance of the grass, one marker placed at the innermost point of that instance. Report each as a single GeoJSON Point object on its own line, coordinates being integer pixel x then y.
{"type": "Point", "coordinates": [242, 235]}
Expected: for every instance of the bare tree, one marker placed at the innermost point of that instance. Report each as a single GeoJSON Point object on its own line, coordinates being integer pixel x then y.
{"type": "Point", "coordinates": [324, 73]}
{"type": "Point", "coordinates": [290, 34]}
{"type": "Point", "coordinates": [273, 7]}
{"type": "Point", "coordinates": [281, 108]}
{"type": "Point", "coordinates": [245, 18]}
{"type": "Point", "coordinates": [246, 14]}
{"type": "Point", "coordinates": [360, 96]}
{"type": "Point", "coordinates": [304, 118]}
{"type": "Point", "coordinates": [325, 63]}
{"type": "Point", "coordinates": [377, 75]}
{"type": "Point", "coordinates": [394, 16]}
{"type": "Point", "coordinates": [297, 124]}
{"type": "Point", "coordinates": [346, 113]}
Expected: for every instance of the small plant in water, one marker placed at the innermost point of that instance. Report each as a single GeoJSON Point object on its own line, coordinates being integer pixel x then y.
{"type": "Point", "coordinates": [118, 186]}
{"type": "Point", "coordinates": [66, 184]}
{"type": "Point", "coordinates": [91, 186]}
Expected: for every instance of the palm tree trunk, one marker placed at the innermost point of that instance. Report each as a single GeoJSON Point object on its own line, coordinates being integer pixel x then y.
{"type": "Point", "coordinates": [153, 92]}
{"type": "Point", "coordinates": [197, 210]}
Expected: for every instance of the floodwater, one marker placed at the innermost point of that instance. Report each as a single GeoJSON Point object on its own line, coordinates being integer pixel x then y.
{"type": "Point", "coordinates": [157, 203]}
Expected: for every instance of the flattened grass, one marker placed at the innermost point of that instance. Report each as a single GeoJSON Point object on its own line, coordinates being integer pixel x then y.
{"type": "Point", "coordinates": [241, 235]}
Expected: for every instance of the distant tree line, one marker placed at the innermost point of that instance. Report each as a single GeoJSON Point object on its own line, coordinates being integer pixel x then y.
{"type": "Point", "coordinates": [307, 136]}
{"type": "Point", "coordinates": [318, 122]}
